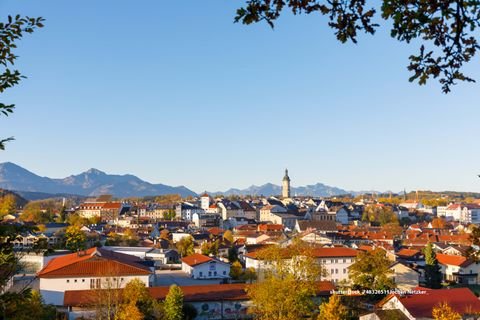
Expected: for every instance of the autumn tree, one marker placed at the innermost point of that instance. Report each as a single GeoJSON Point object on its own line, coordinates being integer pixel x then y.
{"type": "Point", "coordinates": [169, 214]}
{"type": "Point", "coordinates": [30, 304]}
{"type": "Point", "coordinates": [165, 234]}
{"type": "Point", "coordinates": [474, 237]}
{"type": "Point", "coordinates": [130, 238]}
{"type": "Point", "coordinates": [371, 270]}
{"type": "Point", "coordinates": [289, 283]}
{"type": "Point", "coordinates": [236, 270]}
{"type": "Point", "coordinates": [38, 212]}
{"type": "Point", "coordinates": [185, 246]}
{"type": "Point", "coordinates": [434, 202]}
{"type": "Point", "coordinates": [10, 32]}
{"type": "Point", "coordinates": [443, 311]}
{"type": "Point", "coordinates": [333, 309]}
{"type": "Point", "coordinates": [249, 275]}
{"type": "Point", "coordinates": [380, 214]}
{"type": "Point", "coordinates": [439, 223]}
{"type": "Point", "coordinates": [393, 228]}
{"type": "Point", "coordinates": [75, 239]}
{"type": "Point", "coordinates": [173, 305]}
{"type": "Point", "coordinates": [23, 302]}
{"type": "Point", "coordinates": [137, 302]}
{"type": "Point", "coordinates": [210, 248]}
{"type": "Point", "coordinates": [228, 235]}
{"type": "Point", "coordinates": [447, 31]}
{"type": "Point", "coordinates": [8, 205]}
{"type": "Point", "coordinates": [433, 275]}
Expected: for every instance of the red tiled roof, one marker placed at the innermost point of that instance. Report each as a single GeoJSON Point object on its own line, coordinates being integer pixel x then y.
{"type": "Point", "coordinates": [453, 260]}
{"type": "Point", "coordinates": [196, 259]}
{"type": "Point", "coordinates": [317, 253]}
{"type": "Point", "coordinates": [461, 300]}
{"type": "Point", "coordinates": [334, 252]}
{"type": "Point", "coordinates": [270, 227]}
{"type": "Point", "coordinates": [112, 205]}
{"type": "Point", "coordinates": [365, 248]}
{"type": "Point", "coordinates": [93, 262]}
{"type": "Point", "coordinates": [454, 206]}
{"type": "Point", "coordinates": [211, 292]}
{"type": "Point", "coordinates": [216, 231]}
{"type": "Point", "coordinates": [407, 252]}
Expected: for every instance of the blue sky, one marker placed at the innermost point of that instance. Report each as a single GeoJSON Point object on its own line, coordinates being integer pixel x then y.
{"type": "Point", "coordinates": [179, 94]}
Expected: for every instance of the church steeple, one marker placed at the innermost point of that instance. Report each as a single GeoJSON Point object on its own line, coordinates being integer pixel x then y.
{"type": "Point", "coordinates": [286, 185]}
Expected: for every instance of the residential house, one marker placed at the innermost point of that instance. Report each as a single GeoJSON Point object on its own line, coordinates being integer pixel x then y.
{"type": "Point", "coordinates": [199, 266]}
{"type": "Point", "coordinates": [405, 277]}
{"type": "Point", "coordinates": [94, 268]}
{"type": "Point", "coordinates": [459, 269]}
{"type": "Point", "coordinates": [320, 226]}
{"type": "Point", "coordinates": [419, 305]}
{"type": "Point", "coordinates": [229, 209]}
{"type": "Point", "coordinates": [186, 210]}
{"type": "Point", "coordinates": [336, 262]}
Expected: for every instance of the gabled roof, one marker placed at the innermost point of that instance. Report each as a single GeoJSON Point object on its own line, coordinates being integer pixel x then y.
{"type": "Point", "coordinates": [408, 253]}
{"type": "Point", "coordinates": [461, 300]}
{"type": "Point", "coordinates": [216, 231]}
{"type": "Point", "coordinates": [197, 293]}
{"type": "Point", "coordinates": [93, 262]}
{"type": "Point", "coordinates": [320, 225]}
{"type": "Point", "coordinates": [197, 259]}
{"type": "Point", "coordinates": [453, 260]}
{"type": "Point", "coordinates": [334, 252]}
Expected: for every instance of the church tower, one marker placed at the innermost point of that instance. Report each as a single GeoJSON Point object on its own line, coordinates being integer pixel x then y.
{"type": "Point", "coordinates": [286, 185]}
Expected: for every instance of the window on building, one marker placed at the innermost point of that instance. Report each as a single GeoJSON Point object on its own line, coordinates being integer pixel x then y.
{"type": "Point", "coordinates": [200, 273]}
{"type": "Point", "coordinates": [344, 260]}
{"type": "Point", "coordinates": [92, 283]}
{"type": "Point", "coordinates": [336, 271]}
{"type": "Point", "coordinates": [75, 281]}
{"type": "Point", "coordinates": [83, 280]}
{"type": "Point", "coordinates": [332, 271]}
{"type": "Point", "coordinates": [98, 283]}
{"type": "Point", "coordinates": [224, 272]}
{"type": "Point", "coordinates": [344, 270]}
{"type": "Point", "coordinates": [68, 281]}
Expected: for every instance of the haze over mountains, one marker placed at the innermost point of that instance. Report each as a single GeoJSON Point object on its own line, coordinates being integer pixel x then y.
{"type": "Point", "coordinates": [268, 189]}
{"type": "Point", "coordinates": [89, 183]}
{"type": "Point", "coordinates": [95, 182]}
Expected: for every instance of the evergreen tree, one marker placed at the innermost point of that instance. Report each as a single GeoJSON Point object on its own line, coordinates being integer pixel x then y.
{"type": "Point", "coordinates": [173, 306]}
{"type": "Point", "coordinates": [433, 276]}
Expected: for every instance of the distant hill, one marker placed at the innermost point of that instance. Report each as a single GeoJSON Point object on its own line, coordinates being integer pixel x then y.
{"type": "Point", "coordinates": [89, 183]}
{"type": "Point", "coordinates": [270, 189]}
{"type": "Point", "coordinates": [19, 200]}
{"type": "Point", "coordinates": [33, 196]}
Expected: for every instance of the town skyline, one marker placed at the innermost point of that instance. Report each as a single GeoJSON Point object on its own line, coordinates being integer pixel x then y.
{"type": "Point", "coordinates": [186, 102]}
{"type": "Point", "coordinates": [26, 180]}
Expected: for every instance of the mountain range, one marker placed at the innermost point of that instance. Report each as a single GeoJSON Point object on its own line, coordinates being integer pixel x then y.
{"type": "Point", "coordinates": [94, 182]}
{"type": "Point", "coordinates": [270, 189]}
{"type": "Point", "coordinates": [89, 183]}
